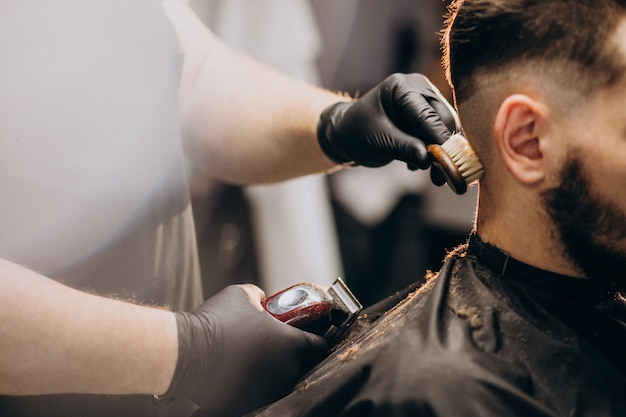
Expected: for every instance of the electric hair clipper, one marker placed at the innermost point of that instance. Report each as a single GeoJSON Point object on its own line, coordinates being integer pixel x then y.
{"type": "Point", "coordinates": [311, 307]}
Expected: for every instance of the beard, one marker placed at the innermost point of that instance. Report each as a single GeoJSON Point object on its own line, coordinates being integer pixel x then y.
{"type": "Point", "coordinates": [591, 229]}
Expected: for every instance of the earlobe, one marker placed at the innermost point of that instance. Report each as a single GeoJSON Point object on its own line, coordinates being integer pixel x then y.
{"type": "Point", "coordinates": [517, 132]}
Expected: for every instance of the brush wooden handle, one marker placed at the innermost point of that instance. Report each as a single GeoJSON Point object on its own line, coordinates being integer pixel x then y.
{"type": "Point", "coordinates": [445, 165]}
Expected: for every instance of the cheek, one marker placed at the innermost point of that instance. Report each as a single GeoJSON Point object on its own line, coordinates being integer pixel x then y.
{"type": "Point", "coordinates": [603, 159]}
{"type": "Point", "coordinates": [608, 180]}
{"type": "Point", "coordinates": [610, 218]}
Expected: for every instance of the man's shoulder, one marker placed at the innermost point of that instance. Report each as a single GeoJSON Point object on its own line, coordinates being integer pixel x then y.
{"type": "Point", "coordinates": [419, 358]}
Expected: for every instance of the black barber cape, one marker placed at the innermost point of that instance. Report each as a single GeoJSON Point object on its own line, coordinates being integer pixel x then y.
{"type": "Point", "coordinates": [489, 336]}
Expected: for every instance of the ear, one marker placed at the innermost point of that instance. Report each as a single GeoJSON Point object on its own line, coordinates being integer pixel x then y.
{"type": "Point", "coordinates": [517, 132]}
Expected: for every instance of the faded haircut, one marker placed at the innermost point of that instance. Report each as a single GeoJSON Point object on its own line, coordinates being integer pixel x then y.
{"type": "Point", "coordinates": [488, 37]}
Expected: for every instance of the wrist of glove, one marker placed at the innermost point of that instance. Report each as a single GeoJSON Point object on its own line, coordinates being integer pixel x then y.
{"type": "Point", "coordinates": [234, 357]}
{"type": "Point", "coordinates": [395, 120]}
{"type": "Point", "coordinates": [326, 128]}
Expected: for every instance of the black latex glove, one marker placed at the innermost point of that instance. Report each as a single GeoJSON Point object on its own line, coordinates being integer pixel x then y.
{"type": "Point", "coordinates": [234, 357]}
{"type": "Point", "coordinates": [394, 120]}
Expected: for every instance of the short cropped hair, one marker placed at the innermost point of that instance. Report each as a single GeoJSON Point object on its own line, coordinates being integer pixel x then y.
{"type": "Point", "coordinates": [491, 36]}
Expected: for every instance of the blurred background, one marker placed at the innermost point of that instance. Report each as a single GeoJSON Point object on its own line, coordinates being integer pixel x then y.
{"type": "Point", "coordinates": [379, 229]}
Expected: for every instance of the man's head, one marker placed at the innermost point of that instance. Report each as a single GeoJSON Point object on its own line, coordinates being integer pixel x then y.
{"type": "Point", "coordinates": [540, 86]}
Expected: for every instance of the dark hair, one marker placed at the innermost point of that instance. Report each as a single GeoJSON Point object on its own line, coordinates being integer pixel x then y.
{"type": "Point", "coordinates": [490, 36]}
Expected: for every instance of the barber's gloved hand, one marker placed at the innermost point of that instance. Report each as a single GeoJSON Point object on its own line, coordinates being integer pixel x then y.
{"type": "Point", "coordinates": [394, 120]}
{"type": "Point", "coordinates": [234, 357]}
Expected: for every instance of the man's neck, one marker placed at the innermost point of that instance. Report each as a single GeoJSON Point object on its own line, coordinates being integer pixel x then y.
{"type": "Point", "coordinates": [526, 239]}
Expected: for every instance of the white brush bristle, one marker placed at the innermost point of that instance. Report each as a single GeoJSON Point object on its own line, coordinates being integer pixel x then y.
{"type": "Point", "coordinates": [464, 158]}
